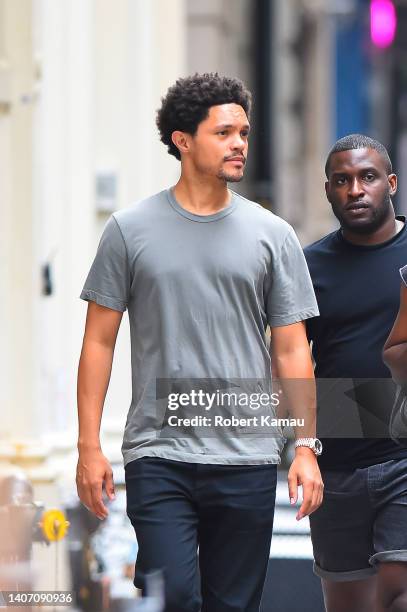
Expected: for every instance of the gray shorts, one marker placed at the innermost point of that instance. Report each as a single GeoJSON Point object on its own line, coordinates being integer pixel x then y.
{"type": "Point", "coordinates": [361, 522]}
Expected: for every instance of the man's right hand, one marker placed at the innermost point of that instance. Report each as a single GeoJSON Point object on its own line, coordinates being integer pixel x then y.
{"type": "Point", "coordinates": [92, 472]}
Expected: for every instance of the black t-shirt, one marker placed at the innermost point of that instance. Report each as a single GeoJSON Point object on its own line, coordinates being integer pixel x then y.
{"type": "Point", "coordinates": [358, 294]}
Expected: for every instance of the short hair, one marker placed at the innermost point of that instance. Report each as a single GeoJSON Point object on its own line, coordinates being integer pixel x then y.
{"type": "Point", "coordinates": [359, 141]}
{"type": "Point", "coordinates": [187, 103]}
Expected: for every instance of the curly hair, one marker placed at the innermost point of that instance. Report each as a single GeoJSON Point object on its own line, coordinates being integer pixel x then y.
{"type": "Point", "coordinates": [187, 103]}
{"type": "Point", "coordinates": [359, 141]}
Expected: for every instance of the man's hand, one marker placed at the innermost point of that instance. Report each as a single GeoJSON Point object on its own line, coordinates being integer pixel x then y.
{"type": "Point", "coordinates": [304, 471]}
{"type": "Point", "coordinates": [92, 472]}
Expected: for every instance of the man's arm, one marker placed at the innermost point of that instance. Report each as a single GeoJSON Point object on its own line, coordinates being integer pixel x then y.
{"type": "Point", "coordinates": [395, 349]}
{"type": "Point", "coordinates": [292, 366]}
{"type": "Point", "coordinates": [95, 365]}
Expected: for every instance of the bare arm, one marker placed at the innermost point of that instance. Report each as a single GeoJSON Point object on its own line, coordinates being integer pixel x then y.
{"type": "Point", "coordinates": [395, 349]}
{"type": "Point", "coordinates": [95, 365]}
{"type": "Point", "coordinates": [293, 367]}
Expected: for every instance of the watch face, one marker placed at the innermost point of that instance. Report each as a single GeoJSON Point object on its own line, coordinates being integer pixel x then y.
{"type": "Point", "coordinates": [318, 446]}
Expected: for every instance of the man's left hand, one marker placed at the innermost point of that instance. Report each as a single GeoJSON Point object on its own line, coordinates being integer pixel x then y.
{"type": "Point", "coordinates": [304, 471]}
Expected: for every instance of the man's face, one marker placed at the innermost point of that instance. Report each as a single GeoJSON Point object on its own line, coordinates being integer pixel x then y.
{"type": "Point", "coordinates": [359, 189]}
{"type": "Point", "coordinates": [219, 146]}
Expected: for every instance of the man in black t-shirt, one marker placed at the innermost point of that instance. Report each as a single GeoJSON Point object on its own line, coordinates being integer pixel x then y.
{"type": "Point", "coordinates": [359, 533]}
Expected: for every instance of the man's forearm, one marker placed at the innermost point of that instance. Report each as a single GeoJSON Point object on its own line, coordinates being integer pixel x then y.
{"type": "Point", "coordinates": [295, 377]}
{"type": "Point", "coordinates": [395, 358]}
{"type": "Point", "coordinates": [94, 371]}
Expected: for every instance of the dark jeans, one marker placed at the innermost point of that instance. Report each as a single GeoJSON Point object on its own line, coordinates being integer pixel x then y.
{"type": "Point", "coordinates": [226, 510]}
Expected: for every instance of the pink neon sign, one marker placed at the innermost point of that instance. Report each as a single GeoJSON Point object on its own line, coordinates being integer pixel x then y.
{"type": "Point", "coordinates": [383, 22]}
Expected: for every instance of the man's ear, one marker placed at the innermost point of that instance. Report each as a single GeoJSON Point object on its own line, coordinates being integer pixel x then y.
{"type": "Point", "coordinates": [181, 141]}
{"type": "Point", "coordinates": [392, 178]}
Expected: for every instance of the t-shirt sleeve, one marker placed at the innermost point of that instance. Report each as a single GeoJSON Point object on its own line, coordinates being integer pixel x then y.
{"type": "Point", "coordinates": [290, 296]}
{"type": "Point", "coordinates": [403, 274]}
{"type": "Point", "coordinates": [108, 281]}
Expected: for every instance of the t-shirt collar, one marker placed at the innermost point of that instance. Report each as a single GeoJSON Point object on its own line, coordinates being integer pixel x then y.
{"type": "Point", "coordinates": [200, 218]}
{"type": "Point", "coordinates": [374, 246]}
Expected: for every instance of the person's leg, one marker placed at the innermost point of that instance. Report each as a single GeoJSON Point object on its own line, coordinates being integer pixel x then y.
{"type": "Point", "coordinates": [352, 596]}
{"type": "Point", "coordinates": [390, 534]}
{"type": "Point", "coordinates": [236, 510]}
{"type": "Point", "coordinates": [342, 538]}
{"type": "Point", "coordinates": [392, 587]}
{"type": "Point", "coordinates": [162, 512]}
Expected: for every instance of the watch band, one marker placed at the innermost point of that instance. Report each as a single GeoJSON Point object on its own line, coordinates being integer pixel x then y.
{"type": "Point", "coordinates": [313, 443]}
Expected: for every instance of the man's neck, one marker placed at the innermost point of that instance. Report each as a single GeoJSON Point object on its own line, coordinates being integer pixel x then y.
{"type": "Point", "coordinates": [202, 196]}
{"type": "Point", "coordinates": [385, 232]}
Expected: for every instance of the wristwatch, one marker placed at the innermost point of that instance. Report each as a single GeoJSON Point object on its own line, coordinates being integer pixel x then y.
{"type": "Point", "coordinates": [312, 443]}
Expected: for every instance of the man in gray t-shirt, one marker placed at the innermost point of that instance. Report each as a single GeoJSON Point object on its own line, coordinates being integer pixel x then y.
{"type": "Point", "coordinates": [202, 271]}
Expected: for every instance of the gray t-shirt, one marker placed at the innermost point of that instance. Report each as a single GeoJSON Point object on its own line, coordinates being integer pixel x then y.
{"type": "Point", "coordinates": [200, 291]}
